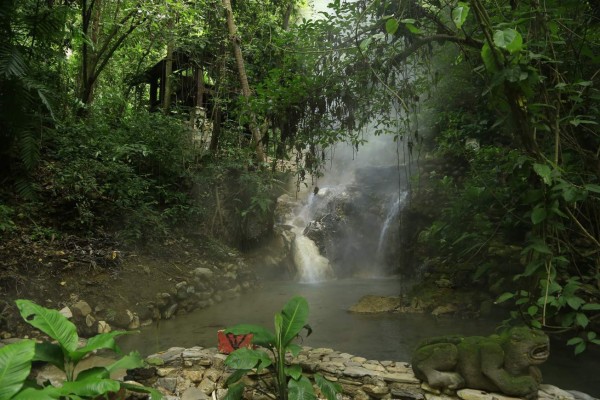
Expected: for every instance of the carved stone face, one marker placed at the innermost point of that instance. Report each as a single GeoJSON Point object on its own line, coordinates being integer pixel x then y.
{"type": "Point", "coordinates": [532, 345]}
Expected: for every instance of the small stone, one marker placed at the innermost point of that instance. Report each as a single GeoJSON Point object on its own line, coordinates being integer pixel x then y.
{"type": "Point", "coordinates": [358, 359]}
{"type": "Point", "coordinates": [135, 323]}
{"type": "Point", "coordinates": [162, 372]}
{"type": "Point", "coordinates": [194, 375]}
{"type": "Point", "coordinates": [66, 312]}
{"type": "Point", "coordinates": [169, 312]}
{"type": "Point", "coordinates": [374, 367]}
{"type": "Point", "coordinates": [194, 394]}
{"type": "Point", "coordinates": [169, 384]}
{"type": "Point", "coordinates": [357, 372]}
{"type": "Point", "coordinates": [213, 374]}
{"type": "Point", "coordinates": [207, 386]}
{"type": "Point", "coordinates": [203, 272]}
{"type": "Point", "coordinates": [400, 378]}
{"type": "Point", "coordinates": [181, 285]}
{"type": "Point", "coordinates": [406, 393]}
{"type": "Point", "coordinates": [103, 327]}
{"type": "Point", "coordinates": [81, 309]}
{"type": "Point", "coordinates": [445, 309]}
{"type": "Point", "coordinates": [431, 396]}
{"type": "Point", "coordinates": [472, 394]}
{"type": "Point", "coordinates": [89, 320]}
{"type": "Point", "coordinates": [376, 391]}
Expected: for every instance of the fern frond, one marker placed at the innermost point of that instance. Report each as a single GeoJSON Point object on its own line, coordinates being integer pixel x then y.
{"type": "Point", "coordinates": [29, 150]}
{"type": "Point", "coordinates": [12, 63]}
{"type": "Point", "coordinates": [25, 188]}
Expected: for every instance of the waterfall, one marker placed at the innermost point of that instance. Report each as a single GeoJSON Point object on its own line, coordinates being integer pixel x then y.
{"type": "Point", "coordinates": [393, 210]}
{"type": "Point", "coordinates": [311, 266]}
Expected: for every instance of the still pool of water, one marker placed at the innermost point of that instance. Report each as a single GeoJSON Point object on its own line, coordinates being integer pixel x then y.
{"type": "Point", "coordinates": [382, 336]}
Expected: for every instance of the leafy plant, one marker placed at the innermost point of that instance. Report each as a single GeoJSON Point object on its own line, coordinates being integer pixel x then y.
{"type": "Point", "coordinates": [16, 360]}
{"type": "Point", "coordinates": [290, 383]}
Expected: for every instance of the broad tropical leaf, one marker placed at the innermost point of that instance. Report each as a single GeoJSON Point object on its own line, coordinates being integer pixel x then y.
{"type": "Point", "coordinates": [262, 336]}
{"type": "Point", "coordinates": [46, 393]}
{"type": "Point", "coordinates": [235, 392]}
{"type": "Point", "coordinates": [51, 322]}
{"type": "Point", "coordinates": [90, 387]}
{"type": "Point", "coordinates": [154, 394]}
{"type": "Point", "coordinates": [295, 371]}
{"type": "Point", "coordinates": [460, 14]}
{"type": "Point", "coordinates": [130, 361]}
{"type": "Point", "coordinates": [236, 376]}
{"type": "Point", "coordinates": [295, 315]}
{"type": "Point", "coordinates": [50, 353]}
{"type": "Point", "coordinates": [391, 26]}
{"type": "Point", "coordinates": [101, 341]}
{"type": "Point", "coordinates": [508, 39]}
{"type": "Point", "coordinates": [247, 359]}
{"type": "Point", "coordinates": [328, 388]}
{"type": "Point", "coordinates": [301, 389]}
{"type": "Point", "coordinates": [93, 373]}
{"type": "Point", "coordinates": [15, 365]}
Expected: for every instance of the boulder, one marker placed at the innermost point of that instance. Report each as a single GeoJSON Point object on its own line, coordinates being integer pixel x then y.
{"type": "Point", "coordinates": [370, 304]}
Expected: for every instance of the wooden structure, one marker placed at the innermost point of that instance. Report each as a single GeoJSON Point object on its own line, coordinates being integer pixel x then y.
{"type": "Point", "coordinates": [188, 85]}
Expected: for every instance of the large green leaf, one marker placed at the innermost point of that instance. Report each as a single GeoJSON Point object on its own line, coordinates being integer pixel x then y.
{"type": "Point", "coordinates": [235, 392]}
{"type": "Point", "coordinates": [51, 322]}
{"type": "Point", "coordinates": [262, 337]}
{"type": "Point", "coordinates": [50, 353]}
{"type": "Point", "coordinates": [15, 365]}
{"type": "Point", "coordinates": [101, 341]}
{"type": "Point", "coordinates": [301, 389]}
{"type": "Point", "coordinates": [460, 14]}
{"type": "Point", "coordinates": [154, 394]}
{"type": "Point", "coordinates": [538, 215]}
{"type": "Point", "coordinates": [93, 373]}
{"type": "Point", "coordinates": [391, 26]}
{"type": "Point", "coordinates": [46, 393]}
{"type": "Point", "coordinates": [328, 388]}
{"type": "Point", "coordinates": [130, 361]}
{"type": "Point", "coordinates": [90, 387]}
{"type": "Point", "coordinates": [295, 315]}
{"type": "Point", "coordinates": [508, 39]}
{"type": "Point", "coordinates": [247, 359]}
{"type": "Point", "coordinates": [295, 371]}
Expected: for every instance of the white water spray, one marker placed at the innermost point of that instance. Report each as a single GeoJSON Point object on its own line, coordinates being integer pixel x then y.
{"type": "Point", "coordinates": [393, 211]}
{"type": "Point", "coordinates": [311, 266]}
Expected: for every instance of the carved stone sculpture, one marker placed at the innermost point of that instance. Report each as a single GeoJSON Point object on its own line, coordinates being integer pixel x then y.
{"type": "Point", "coordinates": [499, 363]}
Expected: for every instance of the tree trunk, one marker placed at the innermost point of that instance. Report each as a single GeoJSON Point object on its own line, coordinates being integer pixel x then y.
{"type": "Point", "coordinates": [237, 50]}
{"type": "Point", "coordinates": [167, 79]}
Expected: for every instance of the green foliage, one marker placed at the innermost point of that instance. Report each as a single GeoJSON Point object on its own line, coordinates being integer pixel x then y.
{"type": "Point", "coordinates": [6, 223]}
{"type": "Point", "coordinates": [290, 382]}
{"type": "Point", "coordinates": [133, 178]}
{"type": "Point", "coordinates": [16, 360]}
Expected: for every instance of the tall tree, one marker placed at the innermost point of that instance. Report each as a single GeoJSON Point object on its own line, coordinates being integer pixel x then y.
{"type": "Point", "coordinates": [246, 93]}
{"type": "Point", "coordinates": [99, 45]}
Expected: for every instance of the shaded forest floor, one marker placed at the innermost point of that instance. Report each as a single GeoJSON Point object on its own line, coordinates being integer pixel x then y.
{"type": "Point", "coordinates": [58, 272]}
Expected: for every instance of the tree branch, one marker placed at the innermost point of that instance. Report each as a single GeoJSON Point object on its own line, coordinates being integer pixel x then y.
{"type": "Point", "coordinates": [420, 42]}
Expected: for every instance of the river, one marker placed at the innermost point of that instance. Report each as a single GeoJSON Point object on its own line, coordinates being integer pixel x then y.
{"type": "Point", "coordinates": [382, 336]}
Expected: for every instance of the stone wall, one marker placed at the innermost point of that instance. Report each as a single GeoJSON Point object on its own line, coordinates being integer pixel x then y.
{"type": "Point", "coordinates": [198, 373]}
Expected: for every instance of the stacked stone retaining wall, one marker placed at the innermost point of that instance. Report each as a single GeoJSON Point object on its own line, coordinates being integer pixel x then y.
{"type": "Point", "coordinates": [200, 373]}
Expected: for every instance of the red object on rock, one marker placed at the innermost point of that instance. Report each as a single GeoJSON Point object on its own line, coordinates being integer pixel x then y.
{"type": "Point", "coordinates": [228, 342]}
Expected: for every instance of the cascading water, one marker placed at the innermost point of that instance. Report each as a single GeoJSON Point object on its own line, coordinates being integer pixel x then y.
{"type": "Point", "coordinates": [392, 213]}
{"type": "Point", "coordinates": [311, 266]}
